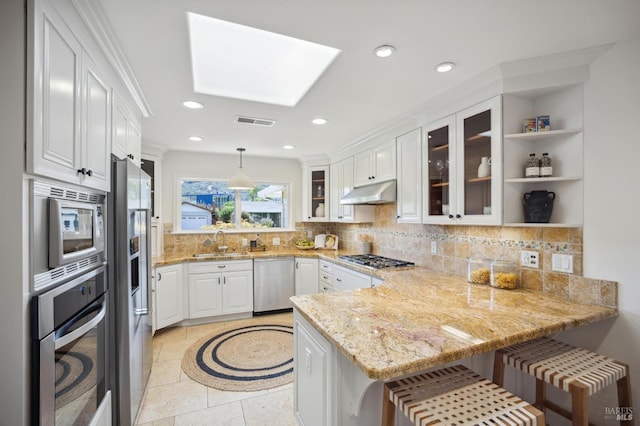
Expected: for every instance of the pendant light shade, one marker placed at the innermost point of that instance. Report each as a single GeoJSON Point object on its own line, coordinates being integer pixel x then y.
{"type": "Point", "coordinates": [240, 180]}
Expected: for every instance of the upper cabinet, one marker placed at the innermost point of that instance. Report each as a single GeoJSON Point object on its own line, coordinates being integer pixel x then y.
{"type": "Point", "coordinates": [377, 164]}
{"type": "Point", "coordinates": [126, 139]}
{"type": "Point", "coordinates": [564, 144]}
{"type": "Point", "coordinates": [316, 193]}
{"type": "Point", "coordinates": [341, 174]}
{"type": "Point", "coordinates": [462, 167]}
{"type": "Point", "coordinates": [409, 190]}
{"type": "Point", "coordinates": [70, 126]}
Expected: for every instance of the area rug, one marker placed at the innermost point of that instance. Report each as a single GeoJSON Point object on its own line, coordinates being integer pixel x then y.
{"type": "Point", "coordinates": [248, 356]}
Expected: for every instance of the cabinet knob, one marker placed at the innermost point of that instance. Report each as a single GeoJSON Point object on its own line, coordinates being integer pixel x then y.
{"type": "Point", "coordinates": [89, 172]}
{"type": "Point", "coordinates": [398, 217]}
{"type": "Point", "coordinates": [159, 276]}
{"type": "Point", "coordinates": [82, 171]}
{"type": "Point", "coordinates": [297, 265]}
{"type": "Point", "coordinates": [458, 216]}
{"type": "Point", "coordinates": [450, 216]}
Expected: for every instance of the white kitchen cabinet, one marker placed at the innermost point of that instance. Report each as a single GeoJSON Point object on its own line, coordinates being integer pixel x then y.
{"type": "Point", "coordinates": [169, 291]}
{"type": "Point", "coordinates": [409, 192]}
{"type": "Point", "coordinates": [454, 190]}
{"type": "Point", "coordinates": [325, 276]}
{"type": "Point", "coordinates": [306, 275]}
{"type": "Point", "coordinates": [313, 380]}
{"type": "Point", "coordinates": [341, 178]}
{"type": "Point", "coordinates": [564, 143]}
{"type": "Point", "coordinates": [126, 140]}
{"type": "Point", "coordinates": [218, 288]}
{"type": "Point", "coordinates": [347, 279]}
{"type": "Point", "coordinates": [71, 101]}
{"type": "Point", "coordinates": [377, 164]}
{"type": "Point", "coordinates": [316, 193]}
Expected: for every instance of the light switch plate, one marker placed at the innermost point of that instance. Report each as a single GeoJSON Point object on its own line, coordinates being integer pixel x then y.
{"type": "Point", "coordinates": [530, 259]}
{"type": "Point", "coordinates": [562, 263]}
{"type": "Point", "coordinates": [276, 241]}
{"type": "Point", "coordinates": [434, 247]}
{"type": "Point", "coordinates": [244, 242]}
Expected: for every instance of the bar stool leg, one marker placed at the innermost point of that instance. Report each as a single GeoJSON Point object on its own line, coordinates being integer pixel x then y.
{"type": "Point", "coordinates": [541, 394]}
{"type": "Point", "coordinates": [579, 404]}
{"type": "Point", "coordinates": [388, 408]}
{"type": "Point", "coordinates": [624, 394]}
{"type": "Point", "coordinates": [498, 369]}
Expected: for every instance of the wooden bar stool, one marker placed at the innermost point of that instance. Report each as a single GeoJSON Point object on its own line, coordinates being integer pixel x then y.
{"type": "Point", "coordinates": [577, 371]}
{"type": "Point", "coordinates": [455, 396]}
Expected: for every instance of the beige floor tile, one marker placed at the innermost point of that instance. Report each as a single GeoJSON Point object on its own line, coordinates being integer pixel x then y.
{"type": "Point", "coordinates": [196, 332]}
{"type": "Point", "coordinates": [222, 415]}
{"type": "Point", "coordinates": [174, 350]}
{"type": "Point", "coordinates": [271, 409]}
{"type": "Point", "coordinates": [172, 399]}
{"type": "Point", "coordinates": [219, 397]}
{"type": "Point", "coordinates": [171, 334]}
{"type": "Point", "coordinates": [162, 422]}
{"type": "Point", "coordinates": [165, 372]}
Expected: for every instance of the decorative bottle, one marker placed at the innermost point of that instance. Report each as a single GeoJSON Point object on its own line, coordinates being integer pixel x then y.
{"type": "Point", "coordinates": [484, 169]}
{"type": "Point", "coordinates": [545, 165]}
{"type": "Point", "coordinates": [319, 191]}
{"type": "Point", "coordinates": [532, 167]}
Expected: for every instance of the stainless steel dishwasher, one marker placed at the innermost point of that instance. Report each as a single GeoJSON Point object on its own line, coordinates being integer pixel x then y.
{"type": "Point", "coordinates": [273, 284]}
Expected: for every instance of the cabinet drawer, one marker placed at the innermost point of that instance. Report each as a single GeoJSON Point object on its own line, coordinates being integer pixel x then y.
{"type": "Point", "coordinates": [223, 266]}
{"type": "Point", "coordinates": [326, 267]}
{"type": "Point", "coordinates": [326, 278]}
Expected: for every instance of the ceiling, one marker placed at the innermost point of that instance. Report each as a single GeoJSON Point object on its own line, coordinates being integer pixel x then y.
{"type": "Point", "coordinates": [358, 92]}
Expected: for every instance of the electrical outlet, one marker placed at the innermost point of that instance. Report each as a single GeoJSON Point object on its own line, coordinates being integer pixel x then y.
{"type": "Point", "coordinates": [309, 233]}
{"type": "Point", "coordinates": [244, 242]}
{"type": "Point", "coordinates": [276, 241]}
{"type": "Point", "coordinates": [434, 247]}
{"type": "Point", "coordinates": [530, 259]}
{"type": "Point", "coordinates": [562, 263]}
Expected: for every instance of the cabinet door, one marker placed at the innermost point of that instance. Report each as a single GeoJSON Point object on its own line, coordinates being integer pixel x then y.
{"type": "Point", "coordinates": [479, 194]}
{"type": "Point", "coordinates": [384, 160]}
{"type": "Point", "coordinates": [346, 279]}
{"type": "Point", "coordinates": [134, 141]}
{"type": "Point", "coordinates": [237, 292]}
{"type": "Point", "coordinates": [306, 276]}
{"type": "Point", "coordinates": [97, 132]}
{"type": "Point", "coordinates": [362, 168]}
{"type": "Point", "coordinates": [341, 185]}
{"type": "Point", "coordinates": [438, 172]}
{"type": "Point", "coordinates": [317, 191]}
{"type": "Point", "coordinates": [310, 390]}
{"type": "Point", "coordinates": [55, 148]}
{"type": "Point", "coordinates": [205, 295]}
{"type": "Point", "coordinates": [169, 295]}
{"type": "Point", "coordinates": [119, 127]}
{"type": "Point", "coordinates": [409, 202]}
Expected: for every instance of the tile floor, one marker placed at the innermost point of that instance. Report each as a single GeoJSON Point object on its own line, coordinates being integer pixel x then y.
{"type": "Point", "coordinates": [173, 398]}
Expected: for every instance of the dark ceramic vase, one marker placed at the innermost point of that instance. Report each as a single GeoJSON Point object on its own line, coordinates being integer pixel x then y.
{"type": "Point", "coordinates": [538, 206]}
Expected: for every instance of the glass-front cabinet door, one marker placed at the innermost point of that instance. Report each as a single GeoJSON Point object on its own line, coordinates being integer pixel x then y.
{"type": "Point", "coordinates": [462, 167]}
{"type": "Point", "coordinates": [317, 192]}
{"type": "Point", "coordinates": [438, 168]}
{"type": "Point", "coordinates": [479, 176]}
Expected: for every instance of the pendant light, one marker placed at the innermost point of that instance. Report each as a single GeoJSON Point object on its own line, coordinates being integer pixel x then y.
{"type": "Point", "coordinates": [240, 180]}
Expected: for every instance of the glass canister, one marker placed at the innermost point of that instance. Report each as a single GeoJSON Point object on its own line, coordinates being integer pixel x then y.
{"type": "Point", "coordinates": [478, 270]}
{"type": "Point", "coordinates": [504, 274]}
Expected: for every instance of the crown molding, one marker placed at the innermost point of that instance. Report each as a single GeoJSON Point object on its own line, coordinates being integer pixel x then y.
{"type": "Point", "coordinates": [98, 25]}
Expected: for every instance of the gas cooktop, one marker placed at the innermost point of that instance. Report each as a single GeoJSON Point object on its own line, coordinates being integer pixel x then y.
{"type": "Point", "coordinates": [374, 261]}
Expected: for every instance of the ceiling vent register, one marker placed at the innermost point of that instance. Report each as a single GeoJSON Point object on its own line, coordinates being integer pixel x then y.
{"type": "Point", "coordinates": [255, 121]}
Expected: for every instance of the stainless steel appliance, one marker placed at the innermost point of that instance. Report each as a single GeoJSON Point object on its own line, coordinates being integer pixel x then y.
{"type": "Point", "coordinates": [273, 284]}
{"type": "Point", "coordinates": [69, 356]}
{"type": "Point", "coordinates": [129, 256]}
{"type": "Point", "coordinates": [375, 261]}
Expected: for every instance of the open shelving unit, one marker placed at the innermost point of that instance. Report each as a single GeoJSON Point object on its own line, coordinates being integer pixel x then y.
{"type": "Point", "coordinates": [564, 143]}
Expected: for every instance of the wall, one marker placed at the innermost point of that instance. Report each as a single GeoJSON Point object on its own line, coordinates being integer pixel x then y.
{"type": "Point", "coordinates": [186, 164]}
{"type": "Point", "coordinates": [13, 262]}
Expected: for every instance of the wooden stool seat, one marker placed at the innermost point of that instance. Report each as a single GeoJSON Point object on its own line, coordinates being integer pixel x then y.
{"type": "Point", "coordinates": [575, 370]}
{"type": "Point", "coordinates": [455, 396]}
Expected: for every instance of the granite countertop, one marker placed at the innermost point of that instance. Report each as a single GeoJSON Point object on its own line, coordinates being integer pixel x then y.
{"type": "Point", "coordinates": [421, 319]}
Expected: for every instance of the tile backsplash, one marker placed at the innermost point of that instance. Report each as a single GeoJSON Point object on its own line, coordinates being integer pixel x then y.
{"type": "Point", "coordinates": [453, 243]}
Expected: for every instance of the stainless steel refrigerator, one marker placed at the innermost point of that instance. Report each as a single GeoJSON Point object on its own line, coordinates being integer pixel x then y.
{"type": "Point", "coordinates": [129, 260]}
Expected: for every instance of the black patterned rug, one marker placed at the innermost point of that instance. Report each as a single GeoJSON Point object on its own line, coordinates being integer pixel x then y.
{"type": "Point", "coordinates": [251, 355]}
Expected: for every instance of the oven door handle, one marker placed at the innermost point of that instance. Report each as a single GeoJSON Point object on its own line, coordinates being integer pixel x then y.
{"type": "Point", "coordinates": [67, 338]}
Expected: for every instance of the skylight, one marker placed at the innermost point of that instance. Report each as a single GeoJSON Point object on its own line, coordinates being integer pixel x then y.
{"type": "Point", "coordinates": [236, 61]}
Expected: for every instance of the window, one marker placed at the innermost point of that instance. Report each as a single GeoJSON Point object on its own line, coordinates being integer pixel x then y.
{"type": "Point", "coordinates": [207, 204]}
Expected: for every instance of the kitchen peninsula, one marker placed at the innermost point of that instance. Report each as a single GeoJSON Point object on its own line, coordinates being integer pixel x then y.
{"type": "Point", "coordinates": [348, 343]}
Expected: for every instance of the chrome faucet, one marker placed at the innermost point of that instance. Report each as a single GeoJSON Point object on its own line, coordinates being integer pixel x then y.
{"type": "Point", "coordinates": [222, 247]}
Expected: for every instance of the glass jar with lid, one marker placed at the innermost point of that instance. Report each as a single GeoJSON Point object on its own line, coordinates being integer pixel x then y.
{"type": "Point", "coordinates": [504, 274]}
{"type": "Point", "coordinates": [478, 270]}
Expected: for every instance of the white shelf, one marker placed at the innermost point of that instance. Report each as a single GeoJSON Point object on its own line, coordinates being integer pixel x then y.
{"type": "Point", "coordinates": [542, 135]}
{"type": "Point", "coordinates": [543, 180]}
{"type": "Point", "coordinates": [544, 225]}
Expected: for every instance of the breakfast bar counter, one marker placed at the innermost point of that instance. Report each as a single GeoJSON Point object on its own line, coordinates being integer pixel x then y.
{"type": "Point", "coordinates": [418, 320]}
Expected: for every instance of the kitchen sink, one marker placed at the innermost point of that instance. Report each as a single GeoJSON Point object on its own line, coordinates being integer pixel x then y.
{"type": "Point", "coordinates": [217, 255]}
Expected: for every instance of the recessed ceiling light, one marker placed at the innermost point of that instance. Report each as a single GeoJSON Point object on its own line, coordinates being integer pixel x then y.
{"type": "Point", "coordinates": [384, 51]}
{"type": "Point", "coordinates": [195, 138]}
{"type": "Point", "coordinates": [193, 104]}
{"type": "Point", "coordinates": [319, 121]}
{"type": "Point", "coordinates": [288, 146]}
{"type": "Point", "coordinates": [445, 67]}
{"type": "Point", "coordinates": [236, 61]}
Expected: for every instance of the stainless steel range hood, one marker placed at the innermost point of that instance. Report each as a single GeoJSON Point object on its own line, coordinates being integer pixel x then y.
{"type": "Point", "coordinates": [377, 193]}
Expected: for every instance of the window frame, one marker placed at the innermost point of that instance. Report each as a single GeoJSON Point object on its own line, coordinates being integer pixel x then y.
{"type": "Point", "coordinates": [288, 216]}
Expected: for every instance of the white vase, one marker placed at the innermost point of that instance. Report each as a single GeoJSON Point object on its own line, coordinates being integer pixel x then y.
{"type": "Point", "coordinates": [320, 210]}
{"type": "Point", "coordinates": [484, 169]}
